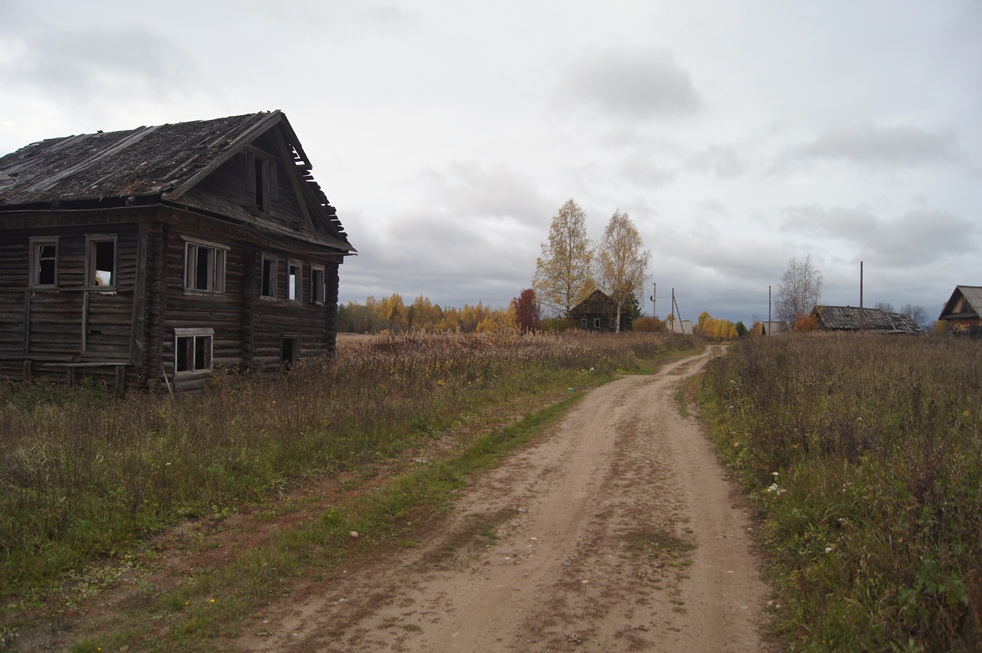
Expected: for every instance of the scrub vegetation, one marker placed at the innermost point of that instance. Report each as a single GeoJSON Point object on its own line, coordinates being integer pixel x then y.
{"type": "Point", "coordinates": [863, 459]}
{"type": "Point", "coordinates": [86, 477]}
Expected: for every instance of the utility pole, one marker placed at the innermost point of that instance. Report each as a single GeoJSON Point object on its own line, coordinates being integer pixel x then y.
{"type": "Point", "coordinates": [767, 331]}
{"type": "Point", "coordinates": [654, 293]}
{"type": "Point", "coordinates": [675, 312]}
{"type": "Point", "coordinates": [860, 296]}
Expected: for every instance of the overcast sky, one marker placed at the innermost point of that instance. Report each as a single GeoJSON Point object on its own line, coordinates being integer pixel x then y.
{"type": "Point", "coordinates": [736, 134]}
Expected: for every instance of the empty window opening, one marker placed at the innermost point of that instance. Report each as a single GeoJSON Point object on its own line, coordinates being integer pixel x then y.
{"type": "Point", "coordinates": [204, 268]}
{"type": "Point", "coordinates": [596, 323]}
{"type": "Point", "coordinates": [193, 350]}
{"type": "Point", "coordinates": [45, 270]}
{"type": "Point", "coordinates": [317, 286]}
{"type": "Point", "coordinates": [290, 351]}
{"type": "Point", "coordinates": [102, 262]}
{"type": "Point", "coordinates": [293, 281]}
{"type": "Point", "coordinates": [269, 278]}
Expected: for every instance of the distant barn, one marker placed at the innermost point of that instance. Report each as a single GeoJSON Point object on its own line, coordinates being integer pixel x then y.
{"type": "Point", "coordinates": [871, 320]}
{"type": "Point", "coordinates": [153, 256]}
{"type": "Point", "coordinates": [963, 310]}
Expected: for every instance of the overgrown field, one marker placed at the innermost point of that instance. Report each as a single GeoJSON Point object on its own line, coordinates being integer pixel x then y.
{"type": "Point", "coordinates": [863, 456]}
{"type": "Point", "coordinates": [84, 476]}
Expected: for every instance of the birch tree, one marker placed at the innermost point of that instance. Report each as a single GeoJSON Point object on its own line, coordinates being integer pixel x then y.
{"type": "Point", "coordinates": [563, 273]}
{"type": "Point", "coordinates": [800, 291]}
{"type": "Point", "coordinates": [622, 262]}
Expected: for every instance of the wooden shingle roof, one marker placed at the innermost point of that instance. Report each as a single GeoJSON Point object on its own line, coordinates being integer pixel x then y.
{"type": "Point", "coordinates": [971, 308]}
{"type": "Point", "coordinates": [849, 318]}
{"type": "Point", "coordinates": [145, 165]}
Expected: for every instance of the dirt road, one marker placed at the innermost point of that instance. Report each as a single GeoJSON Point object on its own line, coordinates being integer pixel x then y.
{"type": "Point", "coordinates": [616, 532]}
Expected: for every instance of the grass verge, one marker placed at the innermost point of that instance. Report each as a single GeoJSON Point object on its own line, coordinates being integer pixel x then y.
{"type": "Point", "coordinates": [863, 459]}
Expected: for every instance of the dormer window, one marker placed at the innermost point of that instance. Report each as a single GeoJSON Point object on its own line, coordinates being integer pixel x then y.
{"type": "Point", "coordinates": [261, 180]}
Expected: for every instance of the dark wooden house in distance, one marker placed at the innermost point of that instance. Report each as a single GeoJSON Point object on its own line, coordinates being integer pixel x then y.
{"type": "Point", "coordinates": [598, 312]}
{"type": "Point", "coordinates": [152, 256]}
{"type": "Point", "coordinates": [963, 311]}
{"type": "Point", "coordinates": [871, 320]}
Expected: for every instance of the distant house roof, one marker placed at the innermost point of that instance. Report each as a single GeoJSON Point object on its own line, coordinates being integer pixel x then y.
{"type": "Point", "coordinates": [971, 308]}
{"type": "Point", "coordinates": [597, 302]}
{"type": "Point", "coordinates": [150, 165]}
{"type": "Point", "coordinates": [849, 318]}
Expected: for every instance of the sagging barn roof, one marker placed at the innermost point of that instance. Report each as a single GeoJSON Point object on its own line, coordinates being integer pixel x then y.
{"type": "Point", "coordinates": [149, 165]}
{"type": "Point", "coordinates": [849, 318]}
{"type": "Point", "coordinates": [971, 308]}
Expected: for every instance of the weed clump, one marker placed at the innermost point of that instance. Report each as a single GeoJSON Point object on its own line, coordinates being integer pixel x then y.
{"type": "Point", "coordinates": [863, 456]}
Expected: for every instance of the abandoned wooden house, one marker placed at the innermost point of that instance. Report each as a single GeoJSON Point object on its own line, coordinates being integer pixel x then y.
{"type": "Point", "coordinates": [963, 311]}
{"type": "Point", "coordinates": [871, 320]}
{"type": "Point", "coordinates": [598, 312]}
{"type": "Point", "coordinates": [150, 257]}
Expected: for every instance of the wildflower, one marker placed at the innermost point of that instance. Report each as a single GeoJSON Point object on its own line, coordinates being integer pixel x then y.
{"type": "Point", "coordinates": [828, 549]}
{"type": "Point", "coordinates": [773, 487]}
{"type": "Point", "coordinates": [212, 600]}
{"type": "Point", "coordinates": [775, 474]}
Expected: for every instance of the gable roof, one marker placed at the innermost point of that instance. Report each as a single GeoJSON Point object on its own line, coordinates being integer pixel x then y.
{"type": "Point", "coordinates": [596, 302]}
{"type": "Point", "coordinates": [847, 318]}
{"type": "Point", "coordinates": [973, 300]}
{"type": "Point", "coordinates": [151, 164]}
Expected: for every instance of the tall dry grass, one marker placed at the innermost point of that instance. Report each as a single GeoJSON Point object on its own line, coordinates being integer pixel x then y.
{"type": "Point", "coordinates": [864, 458]}
{"type": "Point", "coordinates": [84, 475]}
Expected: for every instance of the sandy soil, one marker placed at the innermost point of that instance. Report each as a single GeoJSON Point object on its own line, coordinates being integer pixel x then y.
{"type": "Point", "coordinates": [618, 531]}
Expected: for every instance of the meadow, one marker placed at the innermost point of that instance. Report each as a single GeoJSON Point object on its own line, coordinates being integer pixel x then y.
{"type": "Point", "coordinates": [86, 477]}
{"type": "Point", "coordinates": [863, 460]}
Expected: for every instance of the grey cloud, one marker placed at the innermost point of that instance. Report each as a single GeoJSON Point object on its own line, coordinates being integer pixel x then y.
{"type": "Point", "coordinates": [918, 237]}
{"type": "Point", "coordinates": [872, 145]}
{"type": "Point", "coordinates": [639, 84]}
{"type": "Point", "coordinates": [94, 65]}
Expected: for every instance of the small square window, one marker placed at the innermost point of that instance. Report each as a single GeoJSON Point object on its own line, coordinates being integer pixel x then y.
{"type": "Point", "coordinates": [193, 350]}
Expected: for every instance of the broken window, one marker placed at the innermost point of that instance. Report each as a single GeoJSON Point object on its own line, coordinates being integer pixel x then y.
{"type": "Point", "coordinates": [261, 180]}
{"type": "Point", "coordinates": [204, 267]}
{"type": "Point", "coordinates": [101, 261]}
{"type": "Point", "coordinates": [294, 281]}
{"type": "Point", "coordinates": [193, 350]}
{"type": "Point", "coordinates": [316, 285]}
{"type": "Point", "coordinates": [268, 287]}
{"type": "Point", "coordinates": [44, 262]}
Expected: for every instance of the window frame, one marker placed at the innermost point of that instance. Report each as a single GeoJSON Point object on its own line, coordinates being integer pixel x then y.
{"type": "Point", "coordinates": [596, 323]}
{"type": "Point", "coordinates": [261, 179]}
{"type": "Point", "coordinates": [92, 242]}
{"type": "Point", "coordinates": [274, 277]}
{"type": "Point", "coordinates": [217, 264]}
{"type": "Point", "coordinates": [318, 290]}
{"type": "Point", "coordinates": [194, 334]}
{"type": "Point", "coordinates": [36, 244]}
{"type": "Point", "coordinates": [294, 285]}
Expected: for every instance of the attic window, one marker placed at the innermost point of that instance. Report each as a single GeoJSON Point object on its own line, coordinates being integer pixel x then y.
{"type": "Point", "coordinates": [101, 268]}
{"type": "Point", "coordinates": [261, 180]}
